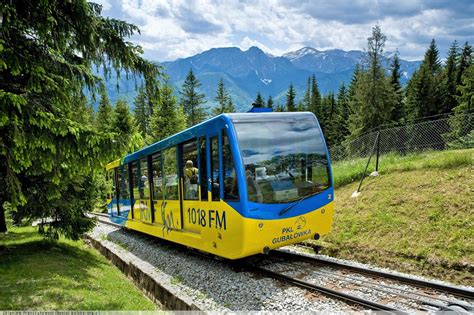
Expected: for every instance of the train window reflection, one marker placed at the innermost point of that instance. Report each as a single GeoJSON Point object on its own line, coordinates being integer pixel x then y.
{"type": "Point", "coordinates": [170, 177]}
{"type": "Point", "coordinates": [285, 159]}
{"type": "Point", "coordinates": [231, 191]}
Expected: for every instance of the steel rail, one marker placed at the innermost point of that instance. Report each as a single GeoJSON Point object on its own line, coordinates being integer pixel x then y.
{"type": "Point", "coordinates": [329, 292]}
{"type": "Point", "coordinates": [420, 298]}
{"type": "Point", "coordinates": [461, 292]}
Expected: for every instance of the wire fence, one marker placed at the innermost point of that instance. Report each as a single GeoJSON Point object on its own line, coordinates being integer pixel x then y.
{"type": "Point", "coordinates": [440, 132]}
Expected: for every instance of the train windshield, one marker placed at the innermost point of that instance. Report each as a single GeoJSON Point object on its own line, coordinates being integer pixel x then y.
{"type": "Point", "coordinates": [284, 157]}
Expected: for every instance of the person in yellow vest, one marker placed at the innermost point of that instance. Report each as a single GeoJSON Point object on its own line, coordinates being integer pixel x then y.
{"type": "Point", "coordinates": [190, 180]}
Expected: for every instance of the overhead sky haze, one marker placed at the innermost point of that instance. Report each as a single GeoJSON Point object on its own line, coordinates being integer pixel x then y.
{"type": "Point", "coordinates": [172, 29]}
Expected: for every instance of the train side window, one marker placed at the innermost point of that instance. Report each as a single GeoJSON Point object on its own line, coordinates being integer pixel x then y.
{"type": "Point", "coordinates": [189, 165]}
{"type": "Point", "coordinates": [124, 190]}
{"type": "Point", "coordinates": [203, 168]}
{"type": "Point", "coordinates": [231, 191]}
{"type": "Point", "coordinates": [157, 176]}
{"type": "Point", "coordinates": [171, 174]}
{"type": "Point", "coordinates": [143, 188]}
{"type": "Point", "coordinates": [215, 168]}
{"type": "Point", "coordinates": [135, 179]}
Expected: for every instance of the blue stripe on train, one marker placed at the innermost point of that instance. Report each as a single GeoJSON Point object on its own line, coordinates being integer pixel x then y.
{"type": "Point", "coordinates": [272, 211]}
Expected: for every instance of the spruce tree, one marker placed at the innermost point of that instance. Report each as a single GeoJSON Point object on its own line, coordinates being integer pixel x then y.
{"type": "Point", "coordinates": [105, 115]}
{"type": "Point", "coordinates": [168, 118]}
{"type": "Point", "coordinates": [192, 100]}
{"type": "Point", "coordinates": [449, 80]}
{"type": "Point", "coordinates": [315, 97]}
{"type": "Point", "coordinates": [127, 136]}
{"type": "Point", "coordinates": [398, 111]}
{"type": "Point", "coordinates": [290, 99]}
{"type": "Point", "coordinates": [270, 102]}
{"type": "Point", "coordinates": [230, 106]}
{"type": "Point", "coordinates": [344, 111]}
{"type": "Point", "coordinates": [142, 112]}
{"type": "Point", "coordinates": [462, 122]}
{"type": "Point", "coordinates": [47, 49]}
{"type": "Point", "coordinates": [373, 99]}
{"type": "Point", "coordinates": [222, 99]}
{"type": "Point", "coordinates": [423, 92]}
{"type": "Point", "coordinates": [85, 111]}
{"type": "Point", "coordinates": [306, 102]}
{"type": "Point", "coordinates": [331, 120]}
{"type": "Point", "coordinates": [259, 101]}
{"type": "Point", "coordinates": [465, 61]}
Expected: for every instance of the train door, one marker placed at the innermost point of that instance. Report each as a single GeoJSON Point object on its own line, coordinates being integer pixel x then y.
{"type": "Point", "coordinates": [189, 183]}
{"type": "Point", "coordinates": [142, 209]}
{"type": "Point", "coordinates": [215, 171]}
{"type": "Point", "coordinates": [123, 191]}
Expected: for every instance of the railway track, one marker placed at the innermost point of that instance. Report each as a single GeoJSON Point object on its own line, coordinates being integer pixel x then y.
{"type": "Point", "coordinates": [415, 294]}
{"type": "Point", "coordinates": [457, 291]}
{"type": "Point", "coordinates": [335, 279]}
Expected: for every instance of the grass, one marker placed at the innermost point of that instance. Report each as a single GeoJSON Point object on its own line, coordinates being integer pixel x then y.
{"type": "Point", "coordinates": [37, 274]}
{"type": "Point", "coordinates": [416, 217]}
{"type": "Point", "coordinates": [346, 172]}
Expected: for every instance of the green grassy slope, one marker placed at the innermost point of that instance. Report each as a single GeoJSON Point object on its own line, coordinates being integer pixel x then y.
{"type": "Point", "coordinates": [418, 216]}
{"type": "Point", "coordinates": [41, 275]}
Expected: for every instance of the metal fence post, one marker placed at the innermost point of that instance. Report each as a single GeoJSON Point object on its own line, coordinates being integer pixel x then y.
{"type": "Point", "coordinates": [367, 166]}
{"type": "Point", "coordinates": [378, 152]}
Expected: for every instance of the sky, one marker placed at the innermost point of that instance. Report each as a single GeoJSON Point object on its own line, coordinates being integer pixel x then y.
{"type": "Point", "coordinates": [172, 29]}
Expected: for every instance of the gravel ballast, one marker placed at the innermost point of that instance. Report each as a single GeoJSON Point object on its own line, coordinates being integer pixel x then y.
{"type": "Point", "coordinates": [214, 285]}
{"type": "Point", "coordinates": [210, 284]}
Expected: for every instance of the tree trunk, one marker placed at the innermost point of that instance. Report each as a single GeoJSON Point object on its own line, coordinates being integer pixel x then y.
{"type": "Point", "coordinates": [3, 223]}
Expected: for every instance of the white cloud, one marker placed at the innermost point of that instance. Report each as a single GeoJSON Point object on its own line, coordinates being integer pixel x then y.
{"type": "Point", "coordinates": [106, 5]}
{"type": "Point", "coordinates": [179, 28]}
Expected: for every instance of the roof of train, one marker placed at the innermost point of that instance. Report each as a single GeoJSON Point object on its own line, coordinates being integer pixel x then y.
{"type": "Point", "coordinates": [203, 126]}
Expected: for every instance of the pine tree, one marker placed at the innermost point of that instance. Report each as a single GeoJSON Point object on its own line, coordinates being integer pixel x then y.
{"type": "Point", "coordinates": [168, 118]}
{"type": "Point", "coordinates": [222, 99]}
{"type": "Point", "coordinates": [449, 80]}
{"type": "Point", "coordinates": [127, 137]}
{"type": "Point", "coordinates": [47, 51]}
{"type": "Point", "coordinates": [423, 92]}
{"type": "Point", "coordinates": [290, 99]}
{"type": "Point", "coordinates": [270, 102]}
{"type": "Point", "coordinates": [85, 111]}
{"type": "Point", "coordinates": [105, 115]}
{"type": "Point", "coordinates": [462, 122]}
{"type": "Point", "coordinates": [192, 101]}
{"type": "Point", "coordinates": [464, 62]}
{"type": "Point", "coordinates": [344, 111]}
{"type": "Point", "coordinates": [398, 111]}
{"type": "Point", "coordinates": [306, 102]}
{"type": "Point", "coordinates": [259, 101]}
{"type": "Point", "coordinates": [331, 120]}
{"type": "Point", "coordinates": [142, 112]}
{"type": "Point", "coordinates": [230, 106]}
{"type": "Point", "coordinates": [373, 99]}
{"type": "Point", "coordinates": [315, 97]}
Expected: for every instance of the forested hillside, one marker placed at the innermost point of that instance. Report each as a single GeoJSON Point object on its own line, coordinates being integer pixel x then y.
{"type": "Point", "coordinates": [54, 145]}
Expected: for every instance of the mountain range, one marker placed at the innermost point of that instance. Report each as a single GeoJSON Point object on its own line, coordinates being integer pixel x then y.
{"type": "Point", "coordinates": [247, 72]}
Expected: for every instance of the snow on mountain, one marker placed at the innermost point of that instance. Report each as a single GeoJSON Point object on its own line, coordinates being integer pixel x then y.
{"type": "Point", "coordinates": [247, 72]}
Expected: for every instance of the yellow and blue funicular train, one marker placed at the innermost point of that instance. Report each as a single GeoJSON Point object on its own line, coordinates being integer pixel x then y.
{"type": "Point", "coordinates": [234, 185]}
